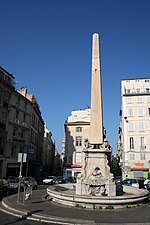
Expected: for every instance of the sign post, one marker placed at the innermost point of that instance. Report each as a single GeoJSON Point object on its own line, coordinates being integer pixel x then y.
{"type": "Point", "coordinates": [21, 158]}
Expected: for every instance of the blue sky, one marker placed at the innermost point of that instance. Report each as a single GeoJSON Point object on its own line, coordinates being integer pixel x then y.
{"type": "Point", "coordinates": [46, 45]}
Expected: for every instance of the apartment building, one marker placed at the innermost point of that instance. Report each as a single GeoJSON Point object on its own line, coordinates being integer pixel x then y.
{"type": "Point", "coordinates": [21, 129]}
{"type": "Point", "coordinates": [36, 137]}
{"type": "Point", "coordinates": [48, 152]}
{"type": "Point", "coordinates": [6, 89]}
{"type": "Point", "coordinates": [18, 132]}
{"type": "Point", "coordinates": [134, 130]}
{"type": "Point", "coordinates": [76, 134]}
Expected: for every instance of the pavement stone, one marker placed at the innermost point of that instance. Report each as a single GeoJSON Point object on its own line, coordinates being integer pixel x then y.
{"type": "Point", "coordinates": [40, 209]}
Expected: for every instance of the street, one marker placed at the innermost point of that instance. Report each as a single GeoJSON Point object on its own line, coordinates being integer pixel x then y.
{"type": "Point", "coordinates": [6, 219]}
{"type": "Point", "coordinates": [135, 215]}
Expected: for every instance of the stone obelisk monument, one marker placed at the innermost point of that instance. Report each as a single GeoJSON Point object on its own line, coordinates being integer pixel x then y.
{"type": "Point", "coordinates": [96, 128]}
{"type": "Point", "coordinates": [95, 178]}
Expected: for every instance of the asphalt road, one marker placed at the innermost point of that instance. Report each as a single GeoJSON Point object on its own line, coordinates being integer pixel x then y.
{"type": "Point", "coordinates": [137, 215]}
{"type": "Point", "coordinates": [6, 219]}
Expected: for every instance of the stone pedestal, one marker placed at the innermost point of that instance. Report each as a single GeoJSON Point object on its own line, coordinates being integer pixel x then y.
{"type": "Point", "coordinates": [95, 178]}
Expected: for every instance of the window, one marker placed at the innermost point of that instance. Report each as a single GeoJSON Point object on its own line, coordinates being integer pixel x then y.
{"type": "Point", "coordinates": [139, 99]}
{"type": "Point", "coordinates": [130, 126]}
{"type": "Point", "coordinates": [14, 131]}
{"type": "Point", "coordinates": [131, 143]}
{"type": "Point", "coordinates": [132, 156]}
{"type": "Point", "coordinates": [78, 141]}
{"type": "Point", "coordinates": [127, 91]}
{"type": "Point", "coordinates": [6, 96]}
{"type": "Point", "coordinates": [130, 112]}
{"type": "Point", "coordinates": [78, 157]}
{"type": "Point", "coordinates": [142, 145]}
{"type": "Point", "coordinates": [148, 111]}
{"type": "Point", "coordinates": [78, 129]}
{"type": "Point", "coordinates": [13, 151]}
{"type": "Point", "coordinates": [148, 99]}
{"type": "Point", "coordinates": [140, 112]}
{"type": "Point", "coordinates": [142, 156]}
{"type": "Point", "coordinates": [147, 90]}
{"type": "Point", "coordinates": [130, 100]}
{"type": "Point", "coordinates": [137, 90]}
{"type": "Point", "coordinates": [17, 114]}
{"type": "Point", "coordinates": [146, 80]}
{"type": "Point", "coordinates": [141, 126]}
{"type": "Point", "coordinates": [22, 134]}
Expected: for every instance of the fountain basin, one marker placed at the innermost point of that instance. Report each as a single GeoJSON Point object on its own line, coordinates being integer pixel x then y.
{"type": "Point", "coordinates": [66, 195]}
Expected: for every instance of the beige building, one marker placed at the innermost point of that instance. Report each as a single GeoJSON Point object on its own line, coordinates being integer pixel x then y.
{"type": "Point", "coordinates": [77, 131]}
{"type": "Point", "coordinates": [36, 136]}
{"type": "Point", "coordinates": [48, 152]}
{"type": "Point", "coordinates": [134, 130]}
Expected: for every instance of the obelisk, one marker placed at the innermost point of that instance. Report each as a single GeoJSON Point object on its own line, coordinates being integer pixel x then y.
{"type": "Point", "coordinates": [96, 127]}
{"type": "Point", "coordinates": [96, 178]}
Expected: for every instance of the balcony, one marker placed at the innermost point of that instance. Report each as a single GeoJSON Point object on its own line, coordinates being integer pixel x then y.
{"type": "Point", "coordinates": [140, 91]}
{"type": "Point", "coordinates": [18, 140]}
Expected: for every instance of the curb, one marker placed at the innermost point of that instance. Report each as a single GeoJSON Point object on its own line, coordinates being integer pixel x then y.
{"type": "Point", "coordinates": [8, 206]}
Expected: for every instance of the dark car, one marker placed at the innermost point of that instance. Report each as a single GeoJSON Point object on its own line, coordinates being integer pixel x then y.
{"type": "Point", "coordinates": [14, 183]}
{"type": "Point", "coordinates": [71, 179]}
{"type": "Point", "coordinates": [60, 180]}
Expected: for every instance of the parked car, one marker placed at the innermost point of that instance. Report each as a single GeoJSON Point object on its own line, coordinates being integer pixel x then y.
{"type": "Point", "coordinates": [131, 182]}
{"type": "Point", "coordinates": [4, 188]}
{"type": "Point", "coordinates": [60, 180]}
{"type": "Point", "coordinates": [50, 180]}
{"type": "Point", "coordinates": [147, 184]}
{"type": "Point", "coordinates": [14, 183]}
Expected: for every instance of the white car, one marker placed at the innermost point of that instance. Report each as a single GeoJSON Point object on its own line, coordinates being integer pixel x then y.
{"type": "Point", "coordinates": [130, 182]}
{"type": "Point", "coordinates": [49, 180]}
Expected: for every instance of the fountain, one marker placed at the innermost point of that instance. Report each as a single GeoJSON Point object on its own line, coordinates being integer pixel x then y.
{"type": "Point", "coordinates": [95, 185]}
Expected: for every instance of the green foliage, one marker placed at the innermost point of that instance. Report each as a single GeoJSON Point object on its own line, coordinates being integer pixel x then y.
{"type": "Point", "coordinates": [109, 207]}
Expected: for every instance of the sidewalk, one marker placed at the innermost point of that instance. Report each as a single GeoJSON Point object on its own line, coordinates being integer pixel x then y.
{"type": "Point", "coordinates": [40, 209]}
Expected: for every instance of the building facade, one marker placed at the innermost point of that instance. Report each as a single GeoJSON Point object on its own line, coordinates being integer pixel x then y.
{"type": "Point", "coordinates": [134, 130]}
{"type": "Point", "coordinates": [6, 90]}
{"type": "Point", "coordinates": [36, 137]}
{"type": "Point", "coordinates": [22, 131]}
{"type": "Point", "coordinates": [48, 152]}
{"type": "Point", "coordinates": [77, 131]}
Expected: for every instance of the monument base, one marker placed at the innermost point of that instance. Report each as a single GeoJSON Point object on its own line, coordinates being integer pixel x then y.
{"type": "Point", "coordinates": [95, 178]}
